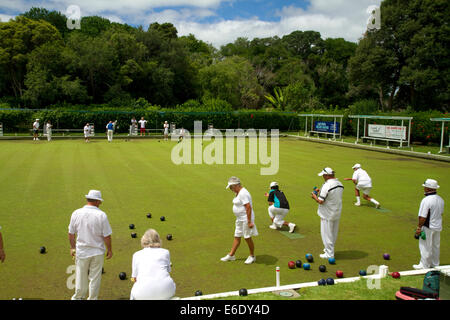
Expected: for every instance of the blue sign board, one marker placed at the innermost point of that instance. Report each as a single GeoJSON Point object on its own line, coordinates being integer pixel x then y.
{"type": "Point", "coordinates": [326, 126]}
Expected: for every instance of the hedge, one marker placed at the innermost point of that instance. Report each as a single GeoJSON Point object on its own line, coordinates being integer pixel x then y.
{"type": "Point", "coordinates": [20, 120]}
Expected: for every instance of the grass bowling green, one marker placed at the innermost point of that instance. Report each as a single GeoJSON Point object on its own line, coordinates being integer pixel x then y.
{"type": "Point", "coordinates": [42, 183]}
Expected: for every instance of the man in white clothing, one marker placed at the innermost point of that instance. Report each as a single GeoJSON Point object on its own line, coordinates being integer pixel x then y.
{"type": "Point", "coordinates": [329, 198]}
{"type": "Point", "coordinates": [49, 130]}
{"type": "Point", "coordinates": [87, 132]}
{"type": "Point", "coordinates": [430, 222]}
{"type": "Point", "coordinates": [36, 129]}
{"type": "Point", "coordinates": [93, 231]}
{"type": "Point", "coordinates": [363, 183]}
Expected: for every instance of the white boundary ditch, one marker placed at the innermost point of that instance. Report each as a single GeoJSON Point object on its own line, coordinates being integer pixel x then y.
{"type": "Point", "coordinates": [313, 284]}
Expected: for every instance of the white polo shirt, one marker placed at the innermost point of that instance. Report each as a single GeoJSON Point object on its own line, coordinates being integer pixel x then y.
{"type": "Point", "coordinates": [87, 130]}
{"type": "Point", "coordinates": [362, 178]}
{"type": "Point", "coordinates": [239, 203]}
{"type": "Point", "coordinates": [432, 205]}
{"type": "Point", "coordinates": [142, 123]}
{"type": "Point", "coordinates": [331, 193]}
{"type": "Point", "coordinates": [91, 225]}
{"type": "Point", "coordinates": [151, 263]}
{"type": "Point", "coordinates": [36, 125]}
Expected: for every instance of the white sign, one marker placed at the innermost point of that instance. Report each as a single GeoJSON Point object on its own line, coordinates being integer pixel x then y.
{"type": "Point", "coordinates": [377, 131]}
{"type": "Point", "coordinates": [388, 132]}
{"type": "Point", "coordinates": [396, 132]}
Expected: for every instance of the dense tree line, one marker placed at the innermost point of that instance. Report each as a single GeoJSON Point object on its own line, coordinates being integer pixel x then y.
{"type": "Point", "coordinates": [404, 64]}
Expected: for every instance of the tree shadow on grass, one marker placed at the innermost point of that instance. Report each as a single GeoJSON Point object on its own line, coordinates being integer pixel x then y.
{"type": "Point", "coordinates": [350, 255]}
{"type": "Point", "coordinates": [266, 259]}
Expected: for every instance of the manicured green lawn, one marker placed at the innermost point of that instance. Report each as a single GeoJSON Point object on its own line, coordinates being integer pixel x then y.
{"type": "Point", "coordinates": [43, 183]}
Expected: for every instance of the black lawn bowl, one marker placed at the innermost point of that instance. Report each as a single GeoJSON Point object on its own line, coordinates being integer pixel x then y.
{"type": "Point", "coordinates": [243, 292]}
{"type": "Point", "coordinates": [122, 276]}
{"type": "Point", "coordinates": [198, 293]}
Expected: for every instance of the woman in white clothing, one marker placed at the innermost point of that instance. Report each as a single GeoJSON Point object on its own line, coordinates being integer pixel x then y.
{"type": "Point", "coordinates": [150, 270]}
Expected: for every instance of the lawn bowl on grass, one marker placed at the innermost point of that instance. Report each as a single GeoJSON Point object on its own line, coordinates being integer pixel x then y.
{"type": "Point", "coordinates": [127, 173]}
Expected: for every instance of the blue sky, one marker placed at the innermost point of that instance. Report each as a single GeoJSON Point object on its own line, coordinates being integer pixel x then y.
{"type": "Point", "coordinates": [221, 21]}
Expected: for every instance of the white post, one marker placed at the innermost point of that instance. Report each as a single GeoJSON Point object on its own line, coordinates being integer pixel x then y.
{"type": "Point", "coordinates": [277, 276]}
{"type": "Point", "coordinates": [357, 133]}
{"type": "Point", "coordinates": [409, 133]}
{"type": "Point", "coordinates": [442, 136]}
{"type": "Point", "coordinates": [334, 129]}
{"type": "Point", "coordinates": [401, 137]}
{"type": "Point", "coordinates": [306, 126]}
{"type": "Point", "coordinates": [364, 127]}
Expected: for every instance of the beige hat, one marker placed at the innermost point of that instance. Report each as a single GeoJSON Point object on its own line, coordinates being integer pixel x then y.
{"type": "Point", "coordinates": [430, 184]}
{"type": "Point", "coordinates": [233, 181]}
{"type": "Point", "coordinates": [94, 195]}
{"type": "Point", "coordinates": [326, 171]}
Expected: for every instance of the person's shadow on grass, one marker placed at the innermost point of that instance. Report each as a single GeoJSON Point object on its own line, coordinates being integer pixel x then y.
{"type": "Point", "coordinates": [266, 259]}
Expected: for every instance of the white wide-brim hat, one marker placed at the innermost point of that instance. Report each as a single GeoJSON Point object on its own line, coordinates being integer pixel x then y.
{"type": "Point", "coordinates": [326, 171]}
{"type": "Point", "coordinates": [356, 166]}
{"type": "Point", "coordinates": [94, 195]}
{"type": "Point", "coordinates": [233, 181]}
{"type": "Point", "coordinates": [431, 184]}
{"type": "Point", "coordinates": [273, 184]}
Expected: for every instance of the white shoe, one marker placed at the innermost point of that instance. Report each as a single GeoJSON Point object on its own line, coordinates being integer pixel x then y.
{"type": "Point", "coordinates": [418, 266]}
{"type": "Point", "coordinates": [324, 256]}
{"type": "Point", "coordinates": [250, 260]}
{"type": "Point", "coordinates": [228, 258]}
{"type": "Point", "coordinates": [357, 204]}
{"type": "Point", "coordinates": [272, 226]}
{"type": "Point", "coordinates": [291, 227]}
{"type": "Point", "coordinates": [378, 206]}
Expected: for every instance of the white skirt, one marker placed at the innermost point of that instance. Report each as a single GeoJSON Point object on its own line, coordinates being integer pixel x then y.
{"type": "Point", "coordinates": [153, 289]}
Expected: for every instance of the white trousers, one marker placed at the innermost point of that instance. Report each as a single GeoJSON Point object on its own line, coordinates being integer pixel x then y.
{"type": "Point", "coordinates": [88, 277]}
{"type": "Point", "coordinates": [430, 248]}
{"type": "Point", "coordinates": [277, 214]}
{"type": "Point", "coordinates": [49, 135]}
{"type": "Point", "coordinates": [329, 231]}
{"type": "Point", "coordinates": [110, 135]}
{"type": "Point", "coordinates": [153, 289]}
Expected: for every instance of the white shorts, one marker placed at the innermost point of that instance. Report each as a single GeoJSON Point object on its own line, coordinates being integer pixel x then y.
{"type": "Point", "coordinates": [365, 190]}
{"type": "Point", "coordinates": [278, 215]}
{"type": "Point", "coordinates": [242, 230]}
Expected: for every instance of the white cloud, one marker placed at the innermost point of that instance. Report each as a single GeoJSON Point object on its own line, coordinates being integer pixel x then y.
{"type": "Point", "coordinates": [332, 18]}
{"type": "Point", "coordinates": [6, 17]}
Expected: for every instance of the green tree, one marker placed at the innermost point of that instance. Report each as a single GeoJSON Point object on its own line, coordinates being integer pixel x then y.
{"type": "Point", "coordinates": [407, 59]}
{"type": "Point", "coordinates": [232, 80]}
{"type": "Point", "coordinates": [55, 18]}
{"type": "Point", "coordinates": [18, 38]}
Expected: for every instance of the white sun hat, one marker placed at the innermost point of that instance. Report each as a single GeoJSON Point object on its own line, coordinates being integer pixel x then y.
{"type": "Point", "coordinates": [94, 195]}
{"type": "Point", "coordinates": [431, 184]}
{"type": "Point", "coordinates": [356, 166]}
{"type": "Point", "coordinates": [326, 171]}
{"type": "Point", "coordinates": [233, 181]}
{"type": "Point", "coordinates": [273, 184]}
